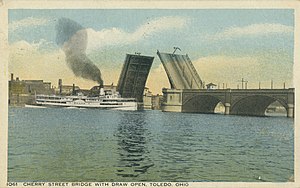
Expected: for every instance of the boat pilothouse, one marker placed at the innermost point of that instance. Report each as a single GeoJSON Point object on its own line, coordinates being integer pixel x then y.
{"type": "Point", "coordinates": [105, 100]}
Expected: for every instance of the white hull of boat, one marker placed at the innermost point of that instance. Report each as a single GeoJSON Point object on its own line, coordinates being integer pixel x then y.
{"type": "Point", "coordinates": [129, 106]}
{"type": "Point", "coordinates": [34, 106]}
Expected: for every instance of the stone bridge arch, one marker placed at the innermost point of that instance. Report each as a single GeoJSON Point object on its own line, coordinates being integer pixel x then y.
{"type": "Point", "coordinates": [236, 101]}
{"type": "Point", "coordinates": [201, 103]}
{"type": "Point", "coordinates": [255, 105]}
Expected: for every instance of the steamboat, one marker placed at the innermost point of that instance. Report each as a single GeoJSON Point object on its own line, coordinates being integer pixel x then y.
{"type": "Point", "coordinates": [105, 100]}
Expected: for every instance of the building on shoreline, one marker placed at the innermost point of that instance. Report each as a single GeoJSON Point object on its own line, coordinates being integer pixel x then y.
{"type": "Point", "coordinates": [23, 91]}
{"type": "Point", "coordinates": [66, 89]}
{"type": "Point", "coordinates": [150, 101]}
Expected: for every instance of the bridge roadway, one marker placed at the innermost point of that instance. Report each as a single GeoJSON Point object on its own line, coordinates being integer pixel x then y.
{"type": "Point", "coordinates": [251, 102]}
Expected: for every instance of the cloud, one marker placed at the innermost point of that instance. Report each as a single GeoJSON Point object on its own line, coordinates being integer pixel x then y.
{"type": "Point", "coordinates": [40, 46]}
{"type": "Point", "coordinates": [157, 79]}
{"type": "Point", "coordinates": [252, 30]}
{"type": "Point", "coordinates": [27, 61]}
{"type": "Point", "coordinates": [27, 22]}
{"type": "Point", "coordinates": [230, 70]}
{"type": "Point", "coordinates": [225, 68]}
{"type": "Point", "coordinates": [117, 36]}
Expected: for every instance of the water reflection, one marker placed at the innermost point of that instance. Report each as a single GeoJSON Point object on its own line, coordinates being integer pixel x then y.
{"type": "Point", "coordinates": [179, 147]}
{"type": "Point", "coordinates": [132, 146]}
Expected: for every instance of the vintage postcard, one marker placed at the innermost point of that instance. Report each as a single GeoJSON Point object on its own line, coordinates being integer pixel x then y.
{"type": "Point", "coordinates": [149, 93]}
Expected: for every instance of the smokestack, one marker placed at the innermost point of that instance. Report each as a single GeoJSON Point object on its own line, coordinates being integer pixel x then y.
{"type": "Point", "coordinates": [73, 89]}
{"type": "Point", "coordinates": [60, 85]}
{"type": "Point", "coordinates": [102, 93]}
{"type": "Point", "coordinates": [12, 76]}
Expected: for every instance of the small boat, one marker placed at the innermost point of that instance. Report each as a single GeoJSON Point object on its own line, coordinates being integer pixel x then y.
{"type": "Point", "coordinates": [103, 101]}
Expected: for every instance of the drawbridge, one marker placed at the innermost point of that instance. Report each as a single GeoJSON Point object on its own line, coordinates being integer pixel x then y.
{"type": "Point", "coordinates": [180, 71]}
{"type": "Point", "coordinates": [134, 75]}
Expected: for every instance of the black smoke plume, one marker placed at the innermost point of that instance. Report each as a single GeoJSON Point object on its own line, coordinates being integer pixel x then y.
{"type": "Point", "coordinates": [72, 38]}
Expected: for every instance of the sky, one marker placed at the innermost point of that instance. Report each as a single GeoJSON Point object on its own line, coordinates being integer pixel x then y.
{"type": "Point", "coordinates": [225, 45]}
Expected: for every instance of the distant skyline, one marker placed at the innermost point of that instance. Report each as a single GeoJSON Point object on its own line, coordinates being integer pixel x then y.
{"type": "Point", "coordinates": [225, 45]}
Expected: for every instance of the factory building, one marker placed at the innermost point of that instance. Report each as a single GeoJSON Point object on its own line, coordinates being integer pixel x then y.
{"type": "Point", "coordinates": [66, 89]}
{"type": "Point", "coordinates": [23, 91]}
{"type": "Point", "coordinates": [156, 101]}
{"type": "Point", "coordinates": [151, 102]}
{"type": "Point", "coordinates": [147, 99]}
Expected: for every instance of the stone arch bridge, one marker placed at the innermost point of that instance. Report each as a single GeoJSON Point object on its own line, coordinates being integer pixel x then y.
{"type": "Point", "coordinates": [251, 102]}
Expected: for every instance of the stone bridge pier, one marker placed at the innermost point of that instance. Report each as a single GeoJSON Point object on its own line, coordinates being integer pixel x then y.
{"type": "Point", "coordinates": [250, 102]}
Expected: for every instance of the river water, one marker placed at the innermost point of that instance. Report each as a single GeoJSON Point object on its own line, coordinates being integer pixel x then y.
{"type": "Point", "coordinates": [56, 144]}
